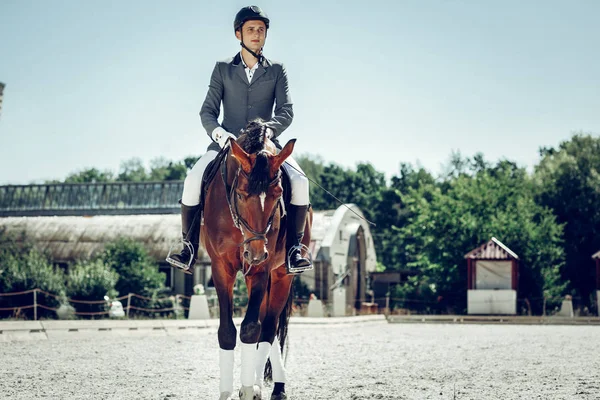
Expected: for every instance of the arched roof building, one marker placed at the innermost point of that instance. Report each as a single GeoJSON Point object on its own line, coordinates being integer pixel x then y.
{"type": "Point", "coordinates": [74, 221]}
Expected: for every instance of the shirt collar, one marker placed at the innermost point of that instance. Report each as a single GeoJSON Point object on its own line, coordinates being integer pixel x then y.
{"type": "Point", "coordinates": [244, 63]}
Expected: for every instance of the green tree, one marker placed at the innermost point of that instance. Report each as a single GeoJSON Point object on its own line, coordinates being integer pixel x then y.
{"type": "Point", "coordinates": [466, 211]}
{"type": "Point", "coordinates": [392, 213]}
{"type": "Point", "coordinates": [412, 178]}
{"type": "Point", "coordinates": [568, 181]}
{"type": "Point", "coordinates": [132, 171]}
{"type": "Point", "coordinates": [90, 175]}
{"type": "Point", "coordinates": [162, 169]}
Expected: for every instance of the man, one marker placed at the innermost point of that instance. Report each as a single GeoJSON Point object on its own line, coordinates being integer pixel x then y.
{"type": "Point", "coordinates": [248, 86]}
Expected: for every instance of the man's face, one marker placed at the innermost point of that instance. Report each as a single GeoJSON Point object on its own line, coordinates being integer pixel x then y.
{"type": "Point", "coordinates": [255, 34]}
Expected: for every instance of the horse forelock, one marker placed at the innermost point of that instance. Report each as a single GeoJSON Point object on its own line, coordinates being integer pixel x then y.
{"type": "Point", "coordinates": [254, 140]}
{"type": "Point", "coordinates": [259, 180]}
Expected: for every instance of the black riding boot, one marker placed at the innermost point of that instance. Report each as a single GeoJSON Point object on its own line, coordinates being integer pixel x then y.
{"type": "Point", "coordinates": [296, 218]}
{"type": "Point", "coordinates": [190, 228]}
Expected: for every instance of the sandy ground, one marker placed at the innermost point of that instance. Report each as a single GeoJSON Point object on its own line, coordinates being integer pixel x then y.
{"type": "Point", "coordinates": [373, 360]}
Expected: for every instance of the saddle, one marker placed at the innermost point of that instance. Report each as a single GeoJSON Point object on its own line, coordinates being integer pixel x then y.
{"type": "Point", "coordinates": [220, 164]}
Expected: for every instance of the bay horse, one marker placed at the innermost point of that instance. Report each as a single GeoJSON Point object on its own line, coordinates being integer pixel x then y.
{"type": "Point", "coordinates": [244, 230]}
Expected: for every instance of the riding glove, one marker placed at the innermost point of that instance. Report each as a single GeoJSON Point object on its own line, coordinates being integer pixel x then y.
{"type": "Point", "coordinates": [220, 136]}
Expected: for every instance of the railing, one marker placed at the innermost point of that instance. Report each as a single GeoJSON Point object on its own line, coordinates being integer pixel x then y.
{"type": "Point", "coordinates": [90, 198]}
{"type": "Point", "coordinates": [177, 304]}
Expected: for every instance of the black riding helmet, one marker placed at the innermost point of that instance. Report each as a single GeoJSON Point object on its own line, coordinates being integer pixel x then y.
{"type": "Point", "coordinates": [249, 13]}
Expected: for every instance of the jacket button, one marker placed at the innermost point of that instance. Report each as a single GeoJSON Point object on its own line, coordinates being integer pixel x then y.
{"type": "Point", "coordinates": [249, 106]}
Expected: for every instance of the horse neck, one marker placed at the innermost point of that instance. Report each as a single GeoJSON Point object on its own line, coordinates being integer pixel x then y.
{"type": "Point", "coordinates": [232, 168]}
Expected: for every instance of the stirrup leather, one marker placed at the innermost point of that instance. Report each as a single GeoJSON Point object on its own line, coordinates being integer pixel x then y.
{"type": "Point", "coordinates": [303, 249]}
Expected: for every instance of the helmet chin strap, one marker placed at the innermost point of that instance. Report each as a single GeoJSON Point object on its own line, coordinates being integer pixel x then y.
{"type": "Point", "coordinates": [258, 56]}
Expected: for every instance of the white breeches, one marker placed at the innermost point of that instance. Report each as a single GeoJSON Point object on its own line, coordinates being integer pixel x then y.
{"type": "Point", "coordinates": [299, 182]}
{"type": "Point", "coordinates": [193, 181]}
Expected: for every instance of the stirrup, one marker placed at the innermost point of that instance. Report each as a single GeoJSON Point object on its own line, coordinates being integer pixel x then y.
{"type": "Point", "coordinates": [187, 268]}
{"type": "Point", "coordinates": [303, 249]}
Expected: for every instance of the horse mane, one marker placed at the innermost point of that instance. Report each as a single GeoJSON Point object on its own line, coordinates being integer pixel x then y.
{"type": "Point", "coordinates": [252, 141]}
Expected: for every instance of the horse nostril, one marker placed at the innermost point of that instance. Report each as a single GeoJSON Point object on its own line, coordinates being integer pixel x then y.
{"type": "Point", "coordinates": [247, 255]}
{"type": "Point", "coordinates": [266, 255]}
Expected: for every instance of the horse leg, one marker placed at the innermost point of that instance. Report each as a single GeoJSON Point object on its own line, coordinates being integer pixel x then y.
{"type": "Point", "coordinates": [279, 373]}
{"type": "Point", "coordinates": [269, 345]}
{"type": "Point", "coordinates": [249, 334]}
{"type": "Point", "coordinates": [226, 333]}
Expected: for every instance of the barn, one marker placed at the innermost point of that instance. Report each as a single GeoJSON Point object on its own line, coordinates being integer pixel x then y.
{"type": "Point", "coordinates": [492, 279]}
{"type": "Point", "coordinates": [74, 221]}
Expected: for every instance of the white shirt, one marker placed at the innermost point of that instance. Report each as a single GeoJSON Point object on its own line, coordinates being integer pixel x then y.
{"type": "Point", "coordinates": [249, 71]}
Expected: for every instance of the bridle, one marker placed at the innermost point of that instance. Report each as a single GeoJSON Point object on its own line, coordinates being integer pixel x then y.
{"type": "Point", "coordinates": [238, 220]}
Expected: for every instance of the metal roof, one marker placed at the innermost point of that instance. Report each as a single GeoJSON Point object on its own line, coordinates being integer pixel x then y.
{"type": "Point", "coordinates": [68, 238]}
{"type": "Point", "coordinates": [78, 199]}
{"type": "Point", "coordinates": [492, 250]}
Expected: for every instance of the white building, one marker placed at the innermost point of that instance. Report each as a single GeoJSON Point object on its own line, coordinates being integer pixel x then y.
{"type": "Point", "coordinates": [344, 254]}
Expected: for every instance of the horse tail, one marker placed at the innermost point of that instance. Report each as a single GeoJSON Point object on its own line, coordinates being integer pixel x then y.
{"type": "Point", "coordinates": [282, 331]}
{"type": "Point", "coordinates": [284, 319]}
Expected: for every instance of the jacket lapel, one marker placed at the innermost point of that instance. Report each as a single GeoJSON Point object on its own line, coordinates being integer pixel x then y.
{"type": "Point", "coordinates": [239, 68]}
{"type": "Point", "coordinates": [261, 70]}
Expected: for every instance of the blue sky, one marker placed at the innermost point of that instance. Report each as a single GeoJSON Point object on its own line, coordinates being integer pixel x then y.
{"type": "Point", "coordinates": [92, 84]}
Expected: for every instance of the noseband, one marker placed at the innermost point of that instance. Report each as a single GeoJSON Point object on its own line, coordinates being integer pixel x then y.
{"type": "Point", "coordinates": [238, 220]}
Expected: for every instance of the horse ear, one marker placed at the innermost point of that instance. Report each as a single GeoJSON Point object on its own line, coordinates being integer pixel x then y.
{"type": "Point", "coordinates": [283, 154]}
{"type": "Point", "coordinates": [241, 156]}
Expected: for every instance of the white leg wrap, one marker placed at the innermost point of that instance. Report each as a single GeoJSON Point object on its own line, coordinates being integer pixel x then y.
{"type": "Point", "coordinates": [248, 363]}
{"type": "Point", "coordinates": [226, 369]}
{"type": "Point", "coordinates": [277, 363]}
{"type": "Point", "coordinates": [300, 190]}
{"type": "Point", "coordinates": [193, 180]}
{"type": "Point", "coordinates": [264, 348]}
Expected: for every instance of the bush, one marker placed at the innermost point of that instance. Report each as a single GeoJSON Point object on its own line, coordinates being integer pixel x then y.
{"type": "Point", "coordinates": [138, 273]}
{"type": "Point", "coordinates": [25, 271]}
{"type": "Point", "coordinates": [417, 294]}
{"type": "Point", "coordinates": [91, 280]}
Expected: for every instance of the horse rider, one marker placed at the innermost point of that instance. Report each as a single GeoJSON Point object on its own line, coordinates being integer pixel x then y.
{"type": "Point", "coordinates": [248, 86]}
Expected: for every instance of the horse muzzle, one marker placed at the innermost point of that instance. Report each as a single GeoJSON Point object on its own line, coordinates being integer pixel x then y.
{"type": "Point", "coordinates": [254, 257]}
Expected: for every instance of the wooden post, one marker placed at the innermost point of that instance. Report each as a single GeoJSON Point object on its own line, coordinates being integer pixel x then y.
{"type": "Point", "coordinates": [598, 274]}
{"type": "Point", "coordinates": [515, 275]}
{"type": "Point", "coordinates": [387, 304]}
{"type": "Point", "coordinates": [35, 304]}
{"type": "Point", "coordinates": [544, 309]}
{"type": "Point", "coordinates": [469, 274]}
{"type": "Point", "coordinates": [128, 303]}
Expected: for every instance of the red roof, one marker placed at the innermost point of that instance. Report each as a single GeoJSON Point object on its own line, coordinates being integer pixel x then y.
{"type": "Point", "coordinates": [492, 250]}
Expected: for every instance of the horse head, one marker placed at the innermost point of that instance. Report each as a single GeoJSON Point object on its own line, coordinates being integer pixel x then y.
{"type": "Point", "coordinates": [257, 188]}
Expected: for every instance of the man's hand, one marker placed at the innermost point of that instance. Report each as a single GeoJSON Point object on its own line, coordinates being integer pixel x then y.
{"type": "Point", "coordinates": [220, 136]}
{"type": "Point", "coordinates": [270, 133]}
